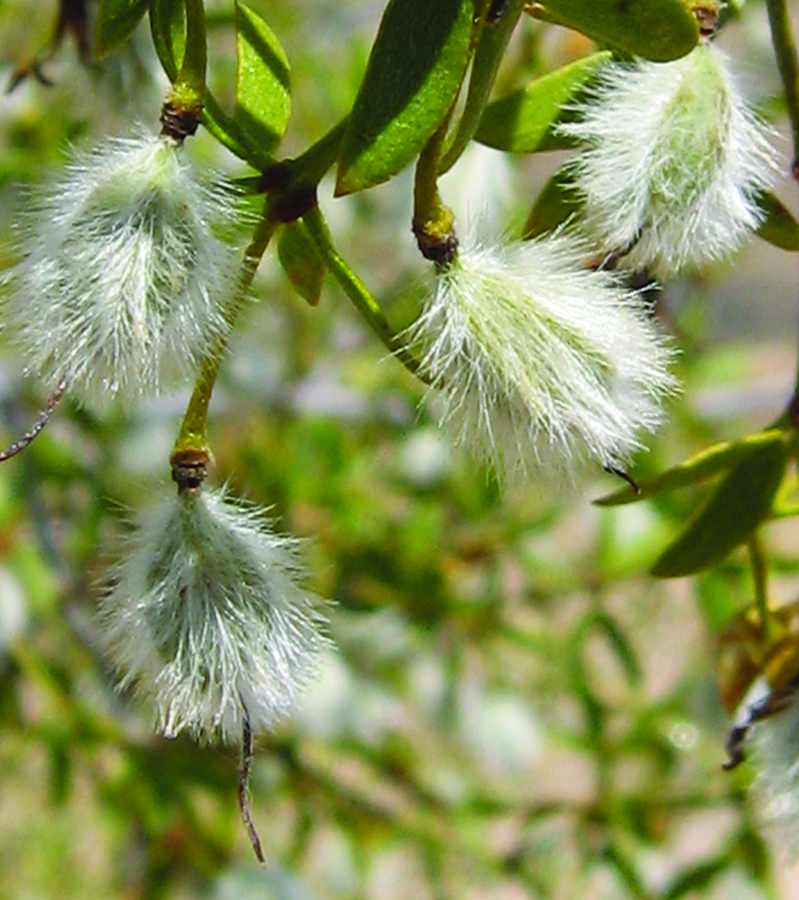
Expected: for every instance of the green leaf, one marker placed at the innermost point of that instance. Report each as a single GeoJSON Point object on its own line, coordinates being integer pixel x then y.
{"type": "Point", "coordinates": [620, 644]}
{"type": "Point", "coordinates": [263, 95]}
{"type": "Point", "coordinates": [696, 879]}
{"type": "Point", "coordinates": [520, 122]}
{"type": "Point", "coordinates": [116, 19]}
{"type": "Point", "coordinates": [728, 516]}
{"type": "Point", "coordinates": [226, 130]}
{"type": "Point", "coordinates": [698, 468]}
{"type": "Point", "coordinates": [301, 261]}
{"type": "Point", "coordinates": [168, 30]}
{"type": "Point", "coordinates": [779, 227]}
{"type": "Point", "coordinates": [659, 30]}
{"type": "Point", "coordinates": [412, 78]}
{"type": "Point", "coordinates": [555, 204]}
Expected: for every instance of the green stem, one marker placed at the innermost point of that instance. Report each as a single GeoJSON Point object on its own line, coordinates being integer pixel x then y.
{"type": "Point", "coordinates": [193, 430]}
{"type": "Point", "coordinates": [759, 575]}
{"type": "Point", "coordinates": [490, 50]}
{"type": "Point", "coordinates": [191, 77]}
{"type": "Point", "coordinates": [785, 51]}
{"type": "Point", "coordinates": [358, 293]}
{"type": "Point", "coordinates": [313, 164]}
{"type": "Point", "coordinates": [301, 177]}
{"type": "Point", "coordinates": [433, 220]}
{"type": "Point", "coordinates": [428, 209]}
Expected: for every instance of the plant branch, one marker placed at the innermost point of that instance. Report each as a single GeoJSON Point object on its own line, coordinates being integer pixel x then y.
{"type": "Point", "coordinates": [193, 430]}
{"type": "Point", "coordinates": [433, 220]}
{"type": "Point", "coordinates": [359, 294]}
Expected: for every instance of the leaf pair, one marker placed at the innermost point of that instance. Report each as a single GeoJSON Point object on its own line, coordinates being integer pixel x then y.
{"type": "Point", "coordinates": [754, 468]}
{"type": "Point", "coordinates": [263, 96]}
{"type": "Point", "coordinates": [419, 60]}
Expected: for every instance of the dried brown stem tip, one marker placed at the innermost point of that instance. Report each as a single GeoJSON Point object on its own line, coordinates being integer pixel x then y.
{"type": "Point", "coordinates": [178, 122]}
{"type": "Point", "coordinates": [620, 473]}
{"type": "Point", "coordinates": [189, 469]}
{"type": "Point", "coordinates": [438, 248]}
{"type": "Point", "coordinates": [707, 16]}
{"type": "Point", "coordinates": [496, 11]}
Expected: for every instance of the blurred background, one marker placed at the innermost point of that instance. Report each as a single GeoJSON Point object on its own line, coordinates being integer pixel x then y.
{"type": "Point", "coordinates": [514, 709]}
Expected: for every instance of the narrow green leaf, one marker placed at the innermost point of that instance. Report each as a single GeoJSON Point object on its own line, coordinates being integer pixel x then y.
{"type": "Point", "coordinates": [168, 30]}
{"type": "Point", "coordinates": [625, 867]}
{"type": "Point", "coordinates": [696, 878]}
{"type": "Point", "coordinates": [226, 130]}
{"type": "Point", "coordinates": [519, 122]}
{"type": "Point", "coordinates": [779, 227]}
{"type": "Point", "coordinates": [301, 261]}
{"type": "Point", "coordinates": [654, 29]}
{"type": "Point", "coordinates": [413, 75]}
{"type": "Point", "coordinates": [696, 469]}
{"type": "Point", "coordinates": [618, 641]}
{"type": "Point", "coordinates": [116, 19]}
{"type": "Point", "coordinates": [555, 204]}
{"type": "Point", "coordinates": [729, 515]}
{"type": "Point", "coordinates": [263, 95]}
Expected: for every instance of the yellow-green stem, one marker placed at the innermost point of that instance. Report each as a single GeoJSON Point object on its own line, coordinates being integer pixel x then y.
{"type": "Point", "coordinates": [193, 430]}
{"type": "Point", "coordinates": [358, 293]}
{"type": "Point", "coordinates": [431, 217]}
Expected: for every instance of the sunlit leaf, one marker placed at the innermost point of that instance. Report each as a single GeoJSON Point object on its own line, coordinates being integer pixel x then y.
{"type": "Point", "coordinates": [779, 227]}
{"type": "Point", "coordinates": [520, 122]}
{"type": "Point", "coordinates": [116, 20]}
{"type": "Point", "coordinates": [653, 29]}
{"type": "Point", "coordinates": [412, 77]}
{"type": "Point", "coordinates": [698, 468]}
{"type": "Point", "coordinates": [740, 502]}
{"type": "Point", "coordinates": [263, 96]}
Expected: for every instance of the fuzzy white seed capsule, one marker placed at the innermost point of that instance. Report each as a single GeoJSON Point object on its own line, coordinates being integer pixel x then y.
{"type": "Point", "coordinates": [774, 752]}
{"type": "Point", "coordinates": [674, 162]}
{"type": "Point", "coordinates": [123, 282]}
{"type": "Point", "coordinates": [539, 365]}
{"type": "Point", "coordinates": [204, 617]}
